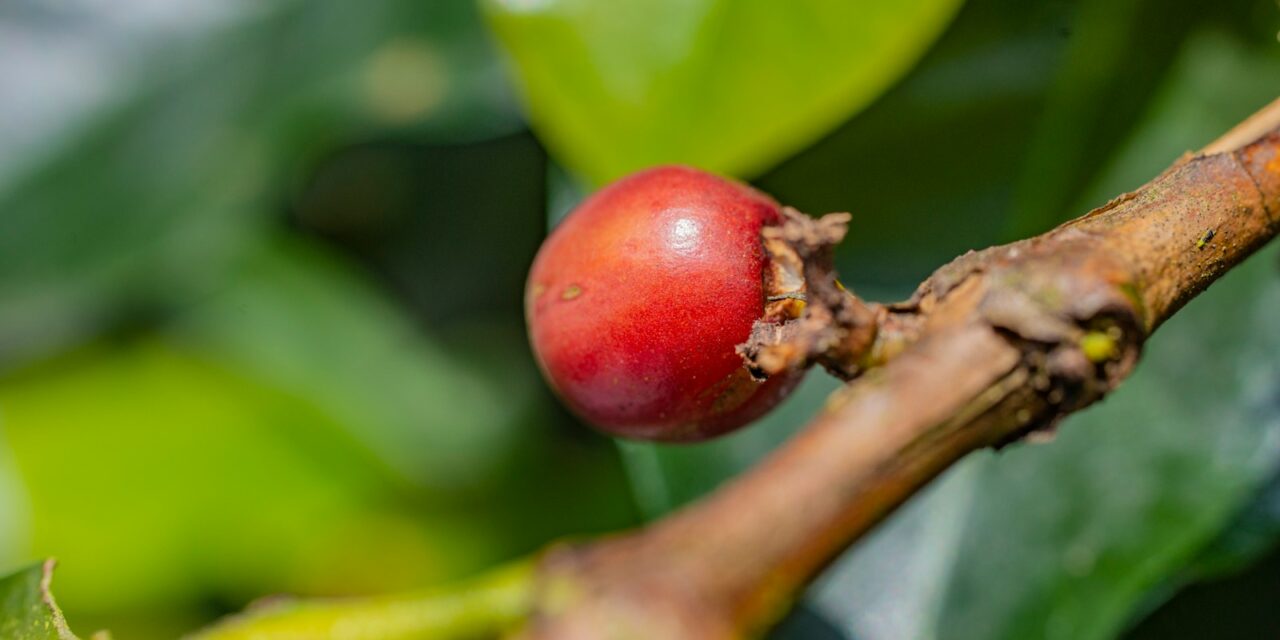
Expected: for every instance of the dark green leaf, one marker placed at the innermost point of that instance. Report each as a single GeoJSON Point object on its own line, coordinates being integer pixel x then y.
{"type": "Point", "coordinates": [1103, 86]}
{"type": "Point", "coordinates": [418, 216]}
{"type": "Point", "coordinates": [927, 171]}
{"type": "Point", "coordinates": [1252, 533]}
{"type": "Point", "coordinates": [299, 319]}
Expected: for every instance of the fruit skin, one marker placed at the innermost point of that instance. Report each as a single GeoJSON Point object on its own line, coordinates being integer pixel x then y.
{"type": "Point", "coordinates": [636, 302]}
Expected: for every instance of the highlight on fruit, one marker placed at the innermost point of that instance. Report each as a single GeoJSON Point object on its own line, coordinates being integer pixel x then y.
{"type": "Point", "coordinates": [637, 302]}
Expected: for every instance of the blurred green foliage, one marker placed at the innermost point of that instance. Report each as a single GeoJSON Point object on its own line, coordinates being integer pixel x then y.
{"type": "Point", "coordinates": [621, 85]}
{"type": "Point", "coordinates": [152, 196]}
{"type": "Point", "coordinates": [261, 269]}
{"type": "Point", "coordinates": [230, 373]}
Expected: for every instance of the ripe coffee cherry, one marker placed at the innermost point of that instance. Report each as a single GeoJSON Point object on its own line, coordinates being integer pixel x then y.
{"type": "Point", "coordinates": [637, 300]}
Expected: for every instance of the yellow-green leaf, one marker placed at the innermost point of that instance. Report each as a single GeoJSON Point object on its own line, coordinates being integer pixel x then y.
{"type": "Point", "coordinates": [615, 85]}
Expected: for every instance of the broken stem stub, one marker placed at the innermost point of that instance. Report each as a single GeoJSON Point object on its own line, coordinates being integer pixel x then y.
{"type": "Point", "coordinates": [810, 318]}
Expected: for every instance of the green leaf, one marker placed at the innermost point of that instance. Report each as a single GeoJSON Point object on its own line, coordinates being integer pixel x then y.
{"type": "Point", "coordinates": [193, 482]}
{"type": "Point", "coordinates": [730, 86]}
{"type": "Point", "coordinates": [27, 608]}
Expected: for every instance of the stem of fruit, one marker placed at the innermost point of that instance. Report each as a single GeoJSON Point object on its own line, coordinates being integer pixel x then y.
{"type": "Point", "coordinates": [995, 346]}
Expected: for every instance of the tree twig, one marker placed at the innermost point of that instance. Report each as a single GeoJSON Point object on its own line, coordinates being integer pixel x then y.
{"type": "Point", "coordinates": [1009, 341]}
{"type": "Point", "coordinates": [995, 346]}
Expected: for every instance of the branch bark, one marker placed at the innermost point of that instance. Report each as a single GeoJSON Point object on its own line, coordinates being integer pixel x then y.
{"type": "Point", "coordinates": [999, 344]}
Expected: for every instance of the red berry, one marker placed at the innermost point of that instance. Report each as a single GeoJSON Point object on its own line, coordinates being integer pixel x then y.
{"type": "Point", "coordinates": [637, 301]}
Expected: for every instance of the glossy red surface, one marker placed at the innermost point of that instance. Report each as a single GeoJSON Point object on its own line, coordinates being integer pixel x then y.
{"type": "Point", "coordinates": [637, 299]}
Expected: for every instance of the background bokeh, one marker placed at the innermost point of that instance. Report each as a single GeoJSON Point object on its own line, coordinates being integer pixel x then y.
{"type": "Point", "coordinates": [261, 266]}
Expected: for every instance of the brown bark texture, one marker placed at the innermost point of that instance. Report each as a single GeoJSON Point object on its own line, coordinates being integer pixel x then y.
{"type": "Point", "coordinates": [997, 345]}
